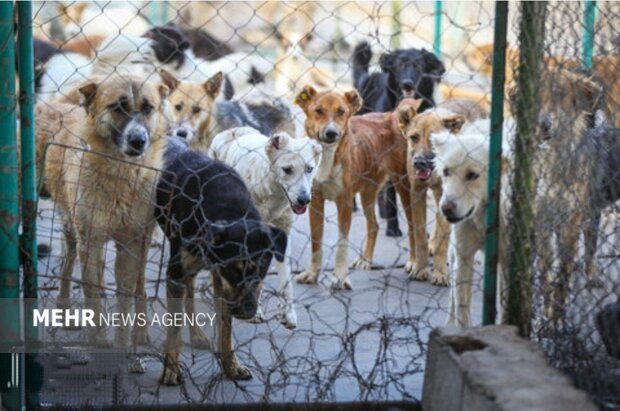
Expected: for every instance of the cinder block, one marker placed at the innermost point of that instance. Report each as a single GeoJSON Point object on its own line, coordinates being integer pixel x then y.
{"type": "Point", "coordinates": [493, 369]}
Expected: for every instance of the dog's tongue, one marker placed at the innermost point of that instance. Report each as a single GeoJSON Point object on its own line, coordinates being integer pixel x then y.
{"type": "Point", "coordinates": [423, 174]}
{"type": "Point", "coordinates": [298, 208]}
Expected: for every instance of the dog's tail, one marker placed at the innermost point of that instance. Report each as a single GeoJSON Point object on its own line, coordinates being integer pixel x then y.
{"type": "Point", "coordinates": [361, 61]}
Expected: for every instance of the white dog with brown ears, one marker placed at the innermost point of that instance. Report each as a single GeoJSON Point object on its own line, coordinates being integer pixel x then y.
{"type": "Point", "coordinates": [279, 171]}
{"type": "Point", "coordinates": [462, 162]}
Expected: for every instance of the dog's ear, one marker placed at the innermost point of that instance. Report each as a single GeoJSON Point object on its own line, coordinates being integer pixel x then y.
{"type": "Point", "coordinates": [278, 242]}
{"type": "Point", "coordinates": [589, 94]}
{"type": "Point", "coordinates": [278, 141]}
{"type": "Point", "coordinates": [169, 80]}
{"type": "Point", "coordinates": [79, 9]}
{"type": "Point", "coordinates": [305, 96]}
{"type": "Point", "coordinates": [433, 65]}
{"type": "Point", "coordinates": [386, 61]}
{"type": "Point", "coordinates": [88, 91]}
{"type": "Point", "coordinates": [354, 100]}
{"type": "Point", "coordinates": [213, 85]}
{"type": "Point", "coordinates": [453, 123]}
{"type": "Point", "coordinates": [406, 113]}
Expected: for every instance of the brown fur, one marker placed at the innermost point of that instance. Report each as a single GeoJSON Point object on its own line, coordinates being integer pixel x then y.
{"type": "Point", "coordinates": [84, 45]}
{"type": "Point", "coordinates": [115, 192]}
{"type": "Point", "coordinates": [370, 151]}
{"type": "Point", "coordinates": [416, 131]}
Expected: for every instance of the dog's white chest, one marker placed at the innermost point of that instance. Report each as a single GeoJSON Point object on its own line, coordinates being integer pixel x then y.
{"type": "Point", "coordinates": [333, 186]}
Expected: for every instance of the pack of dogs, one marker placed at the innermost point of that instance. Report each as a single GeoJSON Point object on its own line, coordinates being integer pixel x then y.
{"type": "Point", "coordinates": [162, 129]}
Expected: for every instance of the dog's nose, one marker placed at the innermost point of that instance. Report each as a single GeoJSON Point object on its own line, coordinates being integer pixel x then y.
{"type": "Point", "coordinates": [407, 85]}
{"type": "Point", "coordinates": [303, 199]}
{"type": "Point", "coordinates": [137, 141]}
{"type": "Point", "coordinates": [448, 208]}
{"type": "Point", "coordinates": [331, 134]}
{"type": "Point", "coordinates": [181, 132]}
{"type": "Point", "coordinates": [422, 162]}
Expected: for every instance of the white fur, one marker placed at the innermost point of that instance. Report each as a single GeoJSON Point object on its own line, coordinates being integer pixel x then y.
{"type": "Point", "coordinates": [260, 161]}
{"type": "Point", "coordinates": [460, 155]}
{"type": "Point", "coordinates": [63, 72]}
{"type": "Point", "coordinates": [108, 21]}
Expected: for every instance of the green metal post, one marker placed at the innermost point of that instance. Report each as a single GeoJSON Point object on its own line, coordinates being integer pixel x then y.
{"type": "Point", "coordinates": [437, 38]}
{"type": "Point", "coordinates": [526, 107]}
{"type": "Point", "coordinates": [9, 213]}
{"type": "Point", "coordinates": [489, 310]}
{"type": "Point", "coordinates": [396, 25]}
{"type": "Point", "coordinates": [588, 34]}
{"type": "Point", "coordinates": [33, 372]}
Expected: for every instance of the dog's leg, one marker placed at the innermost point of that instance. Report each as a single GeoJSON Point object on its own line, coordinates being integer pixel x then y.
{"type": "Point", "coordinates": [91, 248]}
{"type": "Point", "coordinates": [288, 315]}
{"type": "Point", "coordinates": [197, 337]}
{"type": "Point", "coordinates": [140, 333]}
{"type": "Point", "coordinates": [369, 198]}
{"type": "Point", "coordinates": [591, 238]}
{"type": "Point", "coordinates": [69, 254]}
{"type": "Point", "coordinates": [452, 278]}
{"type": "Point", "coordinates": [175, 294]}
{"type": "Point", "coordinates": [568, 250]}
{"type": "Point", "coordinates": [441, 237]}
{"type": "Point", "coordinates": [341, 271]}
{"type": "Point", "coordinates": [421, 270]}
{"type": "Point", "coordinates": [127, 266]}
{"type": "Point", "coordinates": [231, 365]}
{"type": "Point", "coordinates": [463, 277]}
{"type": "Point", "coordinates": [406, 198]}
{"type": "Point", "coordinates": [317, 208]}
{"type": "Point", "coordinates": [390, 211]}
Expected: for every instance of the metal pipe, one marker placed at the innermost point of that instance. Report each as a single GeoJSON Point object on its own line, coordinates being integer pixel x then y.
{"type": "Point", "coordinates": [489, 309]}
{"type": "Point", "coordinates": [437, 38]}
{"type": "Point", "coordinates": [396, 24]}
{"type": "Point", "coordinates": [589, 17]}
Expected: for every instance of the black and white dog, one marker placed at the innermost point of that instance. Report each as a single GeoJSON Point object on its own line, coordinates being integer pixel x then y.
{"type": "Point", "coordinates": [208, 216]}
{"type": "Point", "coordinates": [405, 73]}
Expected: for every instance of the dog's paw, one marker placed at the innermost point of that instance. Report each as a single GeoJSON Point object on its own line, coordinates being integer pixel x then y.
{"type": "Point", "coordinates": [595, 283]}
{"type": "Point", "coordinates": [136, 366]}
{"type": "Point", "coordinates": [170, 375]}
{"type": "Point", "coordinates": [259, 317]}
{"type": "Point", "coordinates": [440, 279]}
{"type": "Point", "coordinates": [420, 273]}
{"type": "Point", "coordinates": [307, 277]}
{"type": "Point", "coordinates": [393, 232]}
{"type": "Point", "coordinates": [361, 263]}
{"type": "Point", "coordinates": [410, 266]}
{"type": "Point", "coordinates": [237, 371]}
{"type": "Point", "coordinates": [288, 316]}
{"type": "Point", "coordinates": [338, 284]}
{"type": "Point", "coordinates": [198, 340]}
{"type": "Point", "coordinates": [140, 336]}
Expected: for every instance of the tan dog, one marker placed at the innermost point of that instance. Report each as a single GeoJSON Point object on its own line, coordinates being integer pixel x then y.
{"type": "Point", "coordinates": [105, 186]}
{"type": "Point", "coordinates": [416, 130]}
{"type": "Point", "coordinates": [359, 154]}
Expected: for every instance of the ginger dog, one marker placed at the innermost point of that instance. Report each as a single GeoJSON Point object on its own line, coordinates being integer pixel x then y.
{"type": "Point", "coordinates": [359, 154]}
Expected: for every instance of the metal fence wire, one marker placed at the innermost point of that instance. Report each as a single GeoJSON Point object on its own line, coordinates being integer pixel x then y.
{"type": "Point", "coordinates": [129, 220]}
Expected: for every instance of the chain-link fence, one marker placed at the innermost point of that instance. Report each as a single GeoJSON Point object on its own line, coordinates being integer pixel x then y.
{"type": "Point", "coordinates": [131, 222]}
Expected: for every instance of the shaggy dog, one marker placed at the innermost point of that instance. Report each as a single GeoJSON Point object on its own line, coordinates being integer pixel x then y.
{"type": "Point", "coordinates": [416, 129]}
{"type": "Point", "coordinates": [100, 168]}
{"type": "Point", "coordinates": [360, 153]}
{"type": "Point", "coordinates": [208, 216]}
{"type": "Point", "coordinates": [462, 162]}
{"type": "Point", "coordinates": [406, 73]}
{"type": "Point", "coordinates": [279, 171]}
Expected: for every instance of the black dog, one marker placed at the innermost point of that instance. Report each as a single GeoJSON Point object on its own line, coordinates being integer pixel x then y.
{"type": "Point", "coordinates": [405, 73]}
{"type": "Point", "coordinates": [208, 216]}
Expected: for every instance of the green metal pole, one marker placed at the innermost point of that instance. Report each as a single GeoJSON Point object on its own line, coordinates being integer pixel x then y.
{"type": "Point", "coordinates": [9, 213]}
{"type": "Point", "coordinates": [437, 39]}
{"type": "Point", "coordinates": [588, 34]}
{"type": "Point", "coordinates": [526, 107]}
{"type": "Point", "coordinates": [396, 25]}
{"type": "Point", "coordinates": [489, 310]}
{"type": "Point", "coordinates": [33, 375]}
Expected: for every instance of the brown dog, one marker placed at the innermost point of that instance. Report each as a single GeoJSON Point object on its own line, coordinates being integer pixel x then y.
{"type": "Point", "coordinates": [359, 154]}
{"type": "Point", "coordinates": [416, 130]}
{"type": "Point", "coordinates": [118, 140]}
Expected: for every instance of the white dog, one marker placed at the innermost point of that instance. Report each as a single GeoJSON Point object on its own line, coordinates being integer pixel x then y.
{"type": "Point", "coordinates": [278, 171]}
{"type": "Point", "coordinates": [462, 162]}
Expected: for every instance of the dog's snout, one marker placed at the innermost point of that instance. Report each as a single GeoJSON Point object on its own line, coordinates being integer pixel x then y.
{"type": "Point", "coordinates": [448, 208]}
{"type": "Point", "coordinates": [245, 310]}
{"type": "Point", "coordinates": [181, 132]}
{"type": "Point", "coordinates": [545, 125]}
{"type": "Point", "coordinates": [303, 199]}
{"type": "Point", "coordinates": [407, 85]}
{"type": "Point", "coordinates": [423, 162]}
{"type": "Point", "coordinates": [331, 134]}
{"type": "Point", "coordinates": [137, 141]}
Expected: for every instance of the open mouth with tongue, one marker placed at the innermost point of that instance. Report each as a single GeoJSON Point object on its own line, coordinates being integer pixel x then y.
{"type": "Point", "coordinates": [298, 208]}
{"type": "Point", "coordinates": [423, 174]}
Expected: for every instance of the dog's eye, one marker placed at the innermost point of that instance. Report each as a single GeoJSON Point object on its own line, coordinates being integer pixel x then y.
{"type": "Point", "coordinates": [340, 112]}
{"type": "Point", "coordinates": [178, 107]}
{"type": "Point", "coordinates": [319, 111]}
{"type": "Point", "coordinates": [287, 170]}
{"type": "Point", "coordinates": [446, 172]}
{"type": "Point", "coordinates": [415, 138]}
{"type": "Point", "coordinates": [147, 109]}
{"type": "Point", "coordinates": [196, 109]}
{"type": "Point", "coordinates": [309, 169]}
{"type": "Point", "coordinates": [471, 176]}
